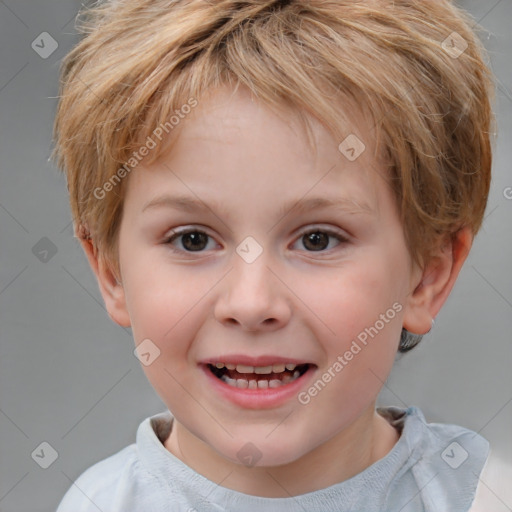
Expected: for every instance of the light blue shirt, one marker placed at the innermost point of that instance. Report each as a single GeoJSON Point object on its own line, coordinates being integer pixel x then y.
{"type": "Point", "coordinates": [433, 467]}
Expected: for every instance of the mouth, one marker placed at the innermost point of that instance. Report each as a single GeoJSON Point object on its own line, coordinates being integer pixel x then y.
{"type": "Point", "coordinates": [258, 377]}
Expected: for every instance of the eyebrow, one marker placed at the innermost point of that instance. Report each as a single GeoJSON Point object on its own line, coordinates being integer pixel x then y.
{"type": "Point", "coordinates": [190, 204]}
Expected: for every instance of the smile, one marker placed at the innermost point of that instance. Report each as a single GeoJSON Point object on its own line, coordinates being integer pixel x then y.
{"type": "Point", "coordinates": [258, 377]}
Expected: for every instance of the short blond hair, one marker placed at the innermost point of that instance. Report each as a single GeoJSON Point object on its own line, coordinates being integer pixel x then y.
{"type": "Point", "coordinates": [418, 68]}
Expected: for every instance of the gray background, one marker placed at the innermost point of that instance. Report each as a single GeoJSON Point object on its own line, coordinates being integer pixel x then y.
{"type": "Point", "coordinates": [67, 372]}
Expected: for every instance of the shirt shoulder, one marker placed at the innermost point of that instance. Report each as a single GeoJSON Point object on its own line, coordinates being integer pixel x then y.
{"type": "Point", "coordinates": [96, 488]}
{"type": "Point", "coordinates": [445, 462]}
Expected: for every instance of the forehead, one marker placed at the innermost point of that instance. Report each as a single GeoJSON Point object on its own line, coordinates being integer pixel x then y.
{"type": "Point", "coordinates": [231, 134]}
{"type": "Point", "coordinates": [225, 112]}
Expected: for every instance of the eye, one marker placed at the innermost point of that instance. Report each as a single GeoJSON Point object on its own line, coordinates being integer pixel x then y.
{"type": "Point", "coordinates": [317, 240]}
{"type": "Point", "coordinates": [194, 240]}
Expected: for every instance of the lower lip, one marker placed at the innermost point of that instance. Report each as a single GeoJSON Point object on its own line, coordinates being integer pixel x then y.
{"type": "Point", "coordinates": [258, 398]}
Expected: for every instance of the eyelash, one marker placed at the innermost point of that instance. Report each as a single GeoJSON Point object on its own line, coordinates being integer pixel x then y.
{"type": "Point", "coordinates": [185, 231]}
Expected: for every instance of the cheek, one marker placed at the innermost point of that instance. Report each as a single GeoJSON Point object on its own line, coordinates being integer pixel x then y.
{"type": "Point", "coordinates": [163, 303]}
{"type": "Point", "coordinates": [151, 300]}
{"type": "Point", "coordinates": [352, 298]}
{"type": "Point", "coordinates": [360, 313]}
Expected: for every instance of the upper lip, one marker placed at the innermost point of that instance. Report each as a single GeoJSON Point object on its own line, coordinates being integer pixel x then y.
{"type": "Point", "coordinates": [264, 360]}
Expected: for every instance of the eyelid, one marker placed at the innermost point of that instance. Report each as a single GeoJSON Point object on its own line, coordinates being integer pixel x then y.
{"type": "Point", "coordinates": [330, 231]}
{"type": "Point", "coordinates": [183, 231]}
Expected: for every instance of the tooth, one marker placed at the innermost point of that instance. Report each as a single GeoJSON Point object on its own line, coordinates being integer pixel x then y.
{"type": "Point", "coordinates": [274, 383]}
{"type": "Point", "coordinates": [278, 368]}
{"type": "Point", "coordinates": [242, 383]}
{"type": "Point", "coordinates": [263, 369]}
{"type": "Point", "coordinates": [290, 366]}
{"type": "Point", "coordinates": [296, 373]}
{"type": "Point", "coordinates": [287, 378]}
{"type": "Point", "coordinates": [228, 380]}
{"type": "Point", "coordinates": [230, 366]}
{"type": "Point", "coordinates": [263, 384]}
{"type": "Point", "coordinates": [219, 365]}
{"type": "Point", "coordinates": [253, 384]}
{"type": "Point", "coordinates": [240, 368]}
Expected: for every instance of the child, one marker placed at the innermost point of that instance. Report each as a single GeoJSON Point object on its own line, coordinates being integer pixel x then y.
{"type": "Point", "coordinates": [260, 129]}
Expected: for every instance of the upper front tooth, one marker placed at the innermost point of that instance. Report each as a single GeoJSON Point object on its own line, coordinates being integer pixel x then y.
{"type": "Point", "coordinates": [263, 369]}
{"type": "Point", "coordinates": [240, 368]}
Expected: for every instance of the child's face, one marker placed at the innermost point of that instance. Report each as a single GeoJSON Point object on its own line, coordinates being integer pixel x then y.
{"type": "Point", "coordinates": [202, 299]}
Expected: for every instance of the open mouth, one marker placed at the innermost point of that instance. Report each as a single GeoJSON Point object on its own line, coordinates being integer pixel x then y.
{"type": "Point", "coordinates": [258, 377]}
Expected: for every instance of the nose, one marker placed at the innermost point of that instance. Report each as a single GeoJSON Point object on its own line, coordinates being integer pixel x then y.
{"type": "Point", "coordinates": [253, 297]}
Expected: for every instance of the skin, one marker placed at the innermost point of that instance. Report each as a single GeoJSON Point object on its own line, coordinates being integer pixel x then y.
{"type": "Point", "coordinates": [291, 301]}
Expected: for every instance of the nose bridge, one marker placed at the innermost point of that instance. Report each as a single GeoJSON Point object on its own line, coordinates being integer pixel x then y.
{"type": "Point", "coordinates": [251, 294]}
{"type": "Point", "coordinates": [251, 274]}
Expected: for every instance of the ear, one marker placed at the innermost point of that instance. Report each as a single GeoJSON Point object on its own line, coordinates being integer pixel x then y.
{"type": "Point", "coordinates": [436, 282]}
{"type": "Point", "coordinates": [111, 289]}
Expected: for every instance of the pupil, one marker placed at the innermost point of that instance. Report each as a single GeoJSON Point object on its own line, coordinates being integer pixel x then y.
{"type": "Point", "coordinates": [315, 238]}
{"type": "Point", "coordinates": [196, 238]}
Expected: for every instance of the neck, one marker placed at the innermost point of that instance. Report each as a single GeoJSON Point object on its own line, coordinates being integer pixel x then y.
{"type": "Point", "coordinates": [368, 439]}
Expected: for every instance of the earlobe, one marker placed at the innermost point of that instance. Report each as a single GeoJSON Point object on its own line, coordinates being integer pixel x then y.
{"type": "Point", "coordinates": [436, 282]}
{"type": "Point", "coordinates": [111, 289]}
